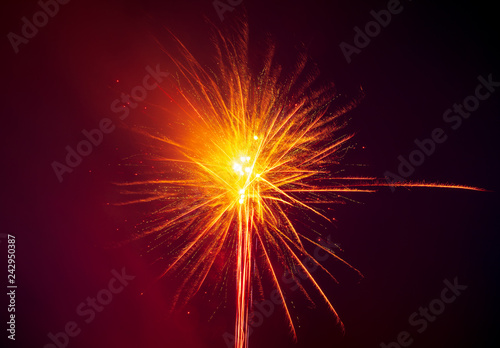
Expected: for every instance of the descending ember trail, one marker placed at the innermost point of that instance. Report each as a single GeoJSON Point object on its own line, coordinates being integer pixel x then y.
{"type": "Point", "coordinates": [244, 155]}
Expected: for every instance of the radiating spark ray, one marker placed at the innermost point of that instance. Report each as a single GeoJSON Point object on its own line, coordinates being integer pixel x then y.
{"type": "Point", "coordinates": [278, 287]}
{"type": "Point", "coordinates": [296, 201]}
{"type": "Point", "coordinates": [313, 281]}
{"type": "Point", "coordinates": [303, 251]}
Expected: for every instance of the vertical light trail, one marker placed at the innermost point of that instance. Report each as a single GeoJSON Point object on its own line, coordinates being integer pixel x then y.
{"type": "Point", "coordinates": [243, 275]}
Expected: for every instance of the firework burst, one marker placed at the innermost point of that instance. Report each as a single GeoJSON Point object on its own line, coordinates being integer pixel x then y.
{"type": "Point", "coordinates": [241, 156]}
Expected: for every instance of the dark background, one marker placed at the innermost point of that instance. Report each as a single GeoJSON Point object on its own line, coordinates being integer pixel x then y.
{"type": "Point", "coordinates": [405, 243]}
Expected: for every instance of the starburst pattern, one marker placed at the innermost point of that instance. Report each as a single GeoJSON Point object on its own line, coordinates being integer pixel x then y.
{"type": "Point", "coordinates": [240, 157]}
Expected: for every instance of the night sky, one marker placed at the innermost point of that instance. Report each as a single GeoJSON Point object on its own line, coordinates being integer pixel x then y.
{"type": "Point", "coordinates": [407, 244]}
